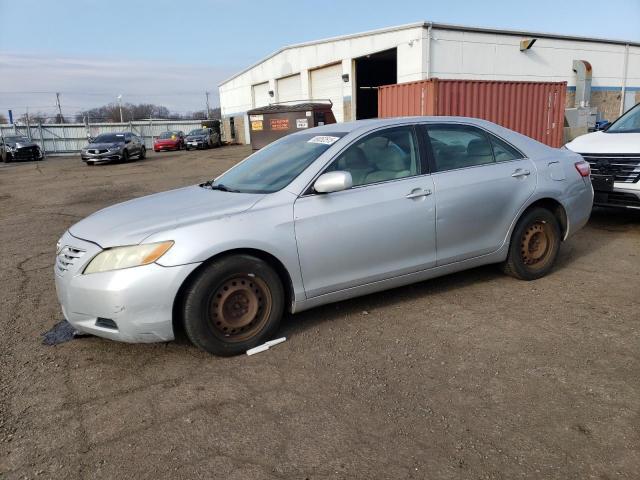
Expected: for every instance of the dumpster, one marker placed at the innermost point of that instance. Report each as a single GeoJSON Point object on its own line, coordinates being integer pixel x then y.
{"type": "Point", "coordinates": [535, 109]}
{"type": "Point", "coordinates": [274, 121]}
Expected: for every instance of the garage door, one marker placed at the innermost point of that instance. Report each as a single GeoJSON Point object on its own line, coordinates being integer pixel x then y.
{"type": "Point", "coordinates": [327, 83]}
{"type": "Point", "coordinates": [289, 88]}
{"type": "Point", "coordinates": [261, 94]}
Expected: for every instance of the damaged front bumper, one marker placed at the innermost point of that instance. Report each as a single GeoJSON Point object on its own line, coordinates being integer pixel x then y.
{"type": "Point", "coordinates": [130, 305]}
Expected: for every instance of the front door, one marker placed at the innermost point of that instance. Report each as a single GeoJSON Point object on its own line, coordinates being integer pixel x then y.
{"type": "Point", "coordinates": [380, 228]}
{"type": "Point", "coordinates": [481, 183]}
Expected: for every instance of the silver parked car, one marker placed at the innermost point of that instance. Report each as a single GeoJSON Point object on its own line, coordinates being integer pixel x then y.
{"type": "Point", "coordinates": [316, 217]}
{"type": "Point", "coordinates": [108, 147]}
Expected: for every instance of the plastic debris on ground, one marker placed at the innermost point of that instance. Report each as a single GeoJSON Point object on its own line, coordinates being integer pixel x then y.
{"type": "Point", "coordinates": [265, 346]}
{"type": "Point", "coordinates": [60, 333]}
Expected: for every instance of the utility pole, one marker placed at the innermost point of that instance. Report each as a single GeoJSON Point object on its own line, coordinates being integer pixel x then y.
{"type": "Point", "coordinates": [120, 107]}
{"type": "Point", "coordinates": [208, 109]}
{"type": "Point", "coordinates": [59, 107]}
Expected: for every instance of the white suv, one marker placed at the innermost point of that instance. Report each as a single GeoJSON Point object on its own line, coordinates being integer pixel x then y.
{"type": "Point", "coordinates": [614, 156]}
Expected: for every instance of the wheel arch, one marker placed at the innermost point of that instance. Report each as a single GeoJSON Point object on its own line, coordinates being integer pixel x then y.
{"type": "Point", "coordinates": [263, 255]}
{"type": "Point", "coordinates": [555, 207]}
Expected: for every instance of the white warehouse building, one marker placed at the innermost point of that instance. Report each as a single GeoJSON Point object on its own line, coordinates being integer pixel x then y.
{"type": "Point", "coordinates": [347, 69]}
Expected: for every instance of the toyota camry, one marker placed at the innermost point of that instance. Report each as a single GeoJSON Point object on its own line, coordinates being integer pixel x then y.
{"type": "Point", "coordinates": [316, 217]}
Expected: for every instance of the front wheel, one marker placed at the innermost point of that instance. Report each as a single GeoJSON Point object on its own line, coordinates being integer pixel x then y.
{"type": "Point", "coordinates": [143, 153]}
{"type": "Point", "coordinates": [534, 247]}
{"type": "Point", "coordinates": [125, 155]}
{"type": "Point", "coordinates": [233, 305]}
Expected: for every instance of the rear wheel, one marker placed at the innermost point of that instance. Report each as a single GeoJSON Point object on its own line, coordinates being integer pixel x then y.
{"type": "Point", "coordinates": [534, 247]}
{"type": "Point", "coordinates": [233, 305]}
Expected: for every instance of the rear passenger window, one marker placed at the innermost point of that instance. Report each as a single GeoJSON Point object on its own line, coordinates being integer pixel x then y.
{"type": "Point", "coordinates": [459, 146]}
{"type": "Point", "coordinates": [503, 151]}
{"type": "Point", "coordinates": [382, 156]}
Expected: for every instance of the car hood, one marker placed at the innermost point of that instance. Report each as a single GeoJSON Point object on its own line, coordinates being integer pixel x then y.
{"type": "Point", "coordinates": [129, 223]}
{"type": "Point", "coordinates": [167, 140]}
{"type": "Point", "coordinates": [195, 137]}
{"type": "Point", "coordinates": [21, 144]}
{"type": "Point", "coordinates": [99, 146]}
{"type": "Point", "coordinates": [603, 142]}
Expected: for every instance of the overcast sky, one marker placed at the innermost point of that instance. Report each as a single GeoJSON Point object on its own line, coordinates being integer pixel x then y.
{"type": "Point", "coordinates": [171, 52]}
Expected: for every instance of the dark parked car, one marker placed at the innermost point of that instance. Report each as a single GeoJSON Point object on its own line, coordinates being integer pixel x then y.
{"type": "Point", "coordinates": [171, 140]}
{"type": "Point", "coordinates": [19, 147]}
{"type": "Point", "coordinates": [108, 147]}
{"type": "Point", "coordinates": [203, 138]}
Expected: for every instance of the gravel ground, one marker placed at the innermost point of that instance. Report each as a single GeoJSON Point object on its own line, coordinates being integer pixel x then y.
{"type": "Point", "coordinates": [474, 375]}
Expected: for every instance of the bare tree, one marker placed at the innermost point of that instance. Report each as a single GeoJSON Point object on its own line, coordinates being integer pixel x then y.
{"type": "Point", "coordinates": [111, 113]}
{"type": "Point", "coordinates": [57, 118]}
{"type": "Point", "coordinates": [34, 118]}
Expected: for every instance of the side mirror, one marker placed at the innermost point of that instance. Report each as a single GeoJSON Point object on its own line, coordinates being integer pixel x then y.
{"type": "Point", "coordinates": [333, 182]}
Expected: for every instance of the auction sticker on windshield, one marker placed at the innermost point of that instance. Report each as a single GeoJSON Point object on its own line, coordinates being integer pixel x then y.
{"type": "Point", "coordinates": [326, 139]}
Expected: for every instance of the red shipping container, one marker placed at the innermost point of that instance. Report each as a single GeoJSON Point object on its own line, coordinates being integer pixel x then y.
{"type": "Point", "coordinates": [535, 109]}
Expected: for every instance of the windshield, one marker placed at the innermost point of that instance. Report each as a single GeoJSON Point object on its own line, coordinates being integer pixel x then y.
{"type": "Point", "coordinates": [16, 139]}
{"type": "Point", "coordinates": [627, 123]}
{"type": "Point", "coordinates": [198, 131]}
{"type": "Point", "coordinates": [109, 138]}
{"type": "Point", "coordinates": [171, 135]}
{"type": "Point", "coordinates": [278, 164]}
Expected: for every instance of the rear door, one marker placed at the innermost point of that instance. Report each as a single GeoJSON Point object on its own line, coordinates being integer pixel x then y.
{"type": "Point", "coordinates": [480, 182]}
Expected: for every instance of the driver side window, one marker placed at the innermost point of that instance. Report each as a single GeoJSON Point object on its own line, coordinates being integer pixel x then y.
{"type": "Point", "coordinates": [379, 157]}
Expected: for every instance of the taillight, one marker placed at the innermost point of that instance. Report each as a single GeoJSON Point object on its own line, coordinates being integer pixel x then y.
{"type": "Point", "coordinates": [583, 168]}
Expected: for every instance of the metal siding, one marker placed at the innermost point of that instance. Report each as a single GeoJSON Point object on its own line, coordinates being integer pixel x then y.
{"type": "Point", "coordinates": [535, 109]}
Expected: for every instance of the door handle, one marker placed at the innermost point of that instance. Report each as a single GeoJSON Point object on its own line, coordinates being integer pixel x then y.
{"type": "Point", "coordinates": [520, 173]}
{"type": "Point", "coordinates": [418, 192]}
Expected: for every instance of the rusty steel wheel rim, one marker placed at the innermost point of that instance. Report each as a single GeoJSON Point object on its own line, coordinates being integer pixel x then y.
{"type": "Point", "coordinates": [536, 244]}
{"type": "Point", "coordinates": [240, 307]}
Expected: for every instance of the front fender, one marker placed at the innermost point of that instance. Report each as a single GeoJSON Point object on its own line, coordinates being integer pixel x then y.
{"type": "Point", "coordinates": [268, 227]}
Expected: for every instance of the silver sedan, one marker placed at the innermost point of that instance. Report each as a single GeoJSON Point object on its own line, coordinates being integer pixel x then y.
{"type": "Point", "coordinates": [320, 216]}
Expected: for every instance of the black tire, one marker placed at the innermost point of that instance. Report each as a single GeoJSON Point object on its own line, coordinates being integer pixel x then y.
{"type": "Point", "coordinates": [6, 158]}
{"type": "Point", "coordinates": [125, 155]}
{"type": "Point", "coordinates": [534, 246]}
{"type": "Point", "coordinates": [143, 153]}
{"type": "Point", "coordinates": [233, 305]}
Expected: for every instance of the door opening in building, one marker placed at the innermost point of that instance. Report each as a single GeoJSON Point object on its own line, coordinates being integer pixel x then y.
{"type": "Point", "coordinates": [373, 71]}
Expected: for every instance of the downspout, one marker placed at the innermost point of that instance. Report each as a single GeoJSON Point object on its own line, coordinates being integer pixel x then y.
{"type": "Point", "coordinates": [428, 72]}
{"type": "Point", "coordinates": [624, 77]}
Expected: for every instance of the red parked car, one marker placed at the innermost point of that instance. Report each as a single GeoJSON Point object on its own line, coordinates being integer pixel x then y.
{"type": "Point", "coordinates": [171, 140]}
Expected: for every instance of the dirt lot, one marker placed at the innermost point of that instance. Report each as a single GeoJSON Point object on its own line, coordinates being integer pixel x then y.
{"type": "Point", "coordinates": [474, 375]}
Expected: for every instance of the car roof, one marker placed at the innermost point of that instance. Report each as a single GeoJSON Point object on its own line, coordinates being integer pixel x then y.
{"type": "Point", "coordinates": [526, 144]}
{"type": "Point", "coordinates": [372, 123]}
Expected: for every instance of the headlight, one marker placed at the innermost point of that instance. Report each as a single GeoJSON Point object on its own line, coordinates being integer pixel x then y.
{"type": "Point", "coordinates": [115, 149]}
{"type": "Point", "coordinates": [10, 148]}
{"type": "Point", "coordinates": [125, 257]}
